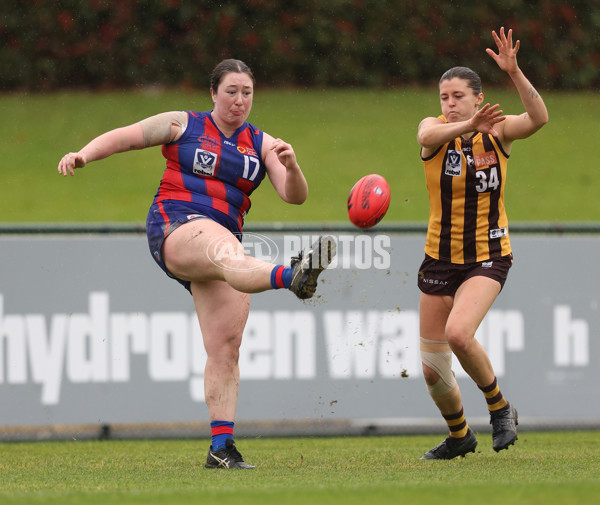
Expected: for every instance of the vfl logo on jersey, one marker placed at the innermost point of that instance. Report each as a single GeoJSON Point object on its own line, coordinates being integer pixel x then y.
{"type": "Point", "coordinates": [454, 164]}
{"type": "Point", "coordinates": [205, 162]}
{"type": "Point", "coordinates": [499, 233]}
{"type": "Point", "coordinates": [486, 159]}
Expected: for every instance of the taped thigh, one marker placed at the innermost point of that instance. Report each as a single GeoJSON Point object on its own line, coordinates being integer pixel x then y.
{"type": "Point", "coordinates": [438, 356]}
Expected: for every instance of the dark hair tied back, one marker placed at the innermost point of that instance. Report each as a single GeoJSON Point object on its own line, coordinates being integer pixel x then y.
{"type": "Point", "coordinates": [464, 73]}
{"type": "Point", "coordinates": [226, 67]}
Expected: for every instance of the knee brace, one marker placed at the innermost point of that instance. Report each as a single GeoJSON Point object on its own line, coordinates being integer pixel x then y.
{"type": "Point", "coordinates": [438, 356]}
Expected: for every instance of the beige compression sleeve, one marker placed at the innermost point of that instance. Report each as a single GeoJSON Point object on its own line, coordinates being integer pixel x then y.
{"type": "Point", "coordinates": [438, 356]}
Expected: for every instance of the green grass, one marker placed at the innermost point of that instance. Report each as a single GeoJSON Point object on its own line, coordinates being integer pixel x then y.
{"type": "Point", "coordinates": [551, 468]}
{"type": "Point", "coordinates": [338, 135]}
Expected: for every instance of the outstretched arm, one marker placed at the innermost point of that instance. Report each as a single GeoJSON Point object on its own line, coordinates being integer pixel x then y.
{"type": "Point", "coordinates": [156, 130]}
{"type": "Point", "coordinates": [115, 141]}
{"type": "Point", "coordinates": [536, 114]}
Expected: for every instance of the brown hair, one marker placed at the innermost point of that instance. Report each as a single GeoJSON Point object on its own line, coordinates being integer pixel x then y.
{"type": "Point", "coordinates": [474, 81]}
{"type": "Point", "coordinates": [226, 67]}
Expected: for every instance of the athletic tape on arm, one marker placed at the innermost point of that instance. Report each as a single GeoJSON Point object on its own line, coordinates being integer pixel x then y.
{"type": "Point", "coordinates": [163, 128]}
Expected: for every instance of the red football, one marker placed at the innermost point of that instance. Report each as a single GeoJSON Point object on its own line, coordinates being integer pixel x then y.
{"type": "Point", "coordinates": [368, 201]}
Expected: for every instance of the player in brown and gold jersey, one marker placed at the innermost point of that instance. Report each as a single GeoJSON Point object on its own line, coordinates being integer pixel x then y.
{"type": "Point", "coordinates": [467, 253]}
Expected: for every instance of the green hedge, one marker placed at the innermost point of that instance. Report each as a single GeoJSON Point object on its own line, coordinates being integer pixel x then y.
{"type": "Point", "coordinates": [54, 44]}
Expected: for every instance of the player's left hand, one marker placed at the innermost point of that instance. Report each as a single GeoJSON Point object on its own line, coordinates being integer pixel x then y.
{"type": "Point", "coordinates": [507, 53]}
{"type": "Point", "coordinates": [285, 153]}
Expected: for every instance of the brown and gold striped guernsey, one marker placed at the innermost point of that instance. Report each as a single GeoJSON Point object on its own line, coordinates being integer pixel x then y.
{"type": "Point", "coordinates": [467, 219]}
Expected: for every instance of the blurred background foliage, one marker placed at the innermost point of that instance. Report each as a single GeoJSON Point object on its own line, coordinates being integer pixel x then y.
{"type": "Point", "coordinates": [46, 45]}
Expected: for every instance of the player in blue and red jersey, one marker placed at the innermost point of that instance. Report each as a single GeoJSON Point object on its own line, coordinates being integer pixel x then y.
{"type": "Point", "coordinates": [214, 161]}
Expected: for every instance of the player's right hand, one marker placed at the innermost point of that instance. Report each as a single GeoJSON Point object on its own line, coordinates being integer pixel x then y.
{"type": "Point", "coordinates": [486, 117]}
{"type": "Point", "coordinates": [70, 162]}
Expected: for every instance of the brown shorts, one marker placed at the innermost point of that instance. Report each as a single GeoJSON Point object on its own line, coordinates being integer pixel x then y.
{"type": "Point", "coordinates": [437, 277]}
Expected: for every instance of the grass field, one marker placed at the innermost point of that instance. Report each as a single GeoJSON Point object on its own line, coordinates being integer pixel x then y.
{"type": "Point", "coordinates": [550, 468]}
{"type": "Point", "coordinates": [338, 136]}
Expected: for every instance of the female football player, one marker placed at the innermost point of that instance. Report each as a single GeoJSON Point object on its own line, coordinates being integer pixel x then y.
{"type": "Point", "coordinates": [214, 160]}
{"type": "Point", "coordinates": [468, 254]}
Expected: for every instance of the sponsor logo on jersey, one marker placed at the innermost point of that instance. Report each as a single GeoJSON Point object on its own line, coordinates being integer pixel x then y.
{"type": "Point", "coordinates": [454, 163]}
{"type": "Point", "coordinates": [205, 162]}
{"type": "Point", "coordinates": [485, 159]}
{"type": "Point", "coordinates": [247, 150]}
{"type": "Point", "coordinates": [499, 233]}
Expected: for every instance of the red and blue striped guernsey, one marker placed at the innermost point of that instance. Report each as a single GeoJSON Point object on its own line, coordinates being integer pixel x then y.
{"type": "Point", "coordinates": [210, 170]}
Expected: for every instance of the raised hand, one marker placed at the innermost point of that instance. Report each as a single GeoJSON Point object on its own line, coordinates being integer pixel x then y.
{"type": "Point", "coordinates": [486, 117]}
{"type": "Point", "coordinates": [285, 153]}
{"type": "Point", "coordinates": [506, 58]}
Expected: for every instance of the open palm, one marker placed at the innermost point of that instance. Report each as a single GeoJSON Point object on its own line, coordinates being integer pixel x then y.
{"type": "Point", "coordinates": [506, 58]}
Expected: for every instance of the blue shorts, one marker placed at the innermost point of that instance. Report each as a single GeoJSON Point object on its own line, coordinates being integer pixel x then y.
{"type": "Point", "coordinates": [166, 216]}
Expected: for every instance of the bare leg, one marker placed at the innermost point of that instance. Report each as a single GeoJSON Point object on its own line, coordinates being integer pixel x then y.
{"type": "Point", "coordinates": [204, 250]}
{"type": "Point", "coordinates": [472, 301]}
{"type": "Point", "coordinates": [222, 313]}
